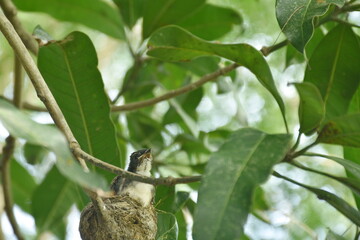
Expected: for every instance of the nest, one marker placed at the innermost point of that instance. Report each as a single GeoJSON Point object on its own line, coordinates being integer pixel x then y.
{"type": "Point", "coordinates": [121, 218]}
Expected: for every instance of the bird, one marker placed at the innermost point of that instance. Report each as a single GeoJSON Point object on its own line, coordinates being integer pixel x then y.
{"type": "Point", "coordinates": [140, 163]}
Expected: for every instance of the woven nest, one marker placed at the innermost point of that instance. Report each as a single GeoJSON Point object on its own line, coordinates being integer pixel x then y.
{"type": "Point", "coordinates": [122, 219]}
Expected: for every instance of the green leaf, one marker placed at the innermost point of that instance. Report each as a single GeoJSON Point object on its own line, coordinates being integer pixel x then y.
{"type": "Point", "coordinates": [241, 164]}
{"type": "Point", "coordinates": [311, 108]}
{"type": "Point", "coordinates": [52, 200]}
{"type": "Point", "coordinates": [167, 226]}
{"type": "Point", "coordinates": [165, 198]}
{"type": "Point", "coordinates": [175, 44]}
{"type": "Point", "coordinates": [131, 10]}
{"type": "Point", "coordinates": [164, 12]}
{"type": "Point", "coordinates": [182, 225]}
{"type": "Point", "coordinates": [69, 67]}
{"type": "Point", "coordinates": [95, 14]}
{"type": "Point", "coordinates": [296, 17]}
{"type": "Point", "coordinates": [333, 69]}
{"type": "Point", "coordinates": [34, 153]}
{"type": "Point", "coordinates": [343, 130]}
{"type": "Point", "coordinates": [211, 22]}
{"type": "Point", "coordinates": [294, 56]}
{"type": "Point", "coordinates": [339, 204]}
{"type": "Point", "coordinates": [22, 185]}
{"type": "Point", "coordinates": [21, 126]}
{"type": "Point", "coordinates": [333, 236]}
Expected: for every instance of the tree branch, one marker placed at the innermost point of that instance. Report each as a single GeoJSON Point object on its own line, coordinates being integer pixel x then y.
{"type": "Point", "coordinates": [10, 12]}
{"type": "Point", "coordinates": [37, 80]}
{"type": "Point", "coordinates": [133, 176]}
{"type": "Point", "coordinates": [6, 184]}
{"type": "Point", "coordinates": [177, 92]}
{"type": "Point", "coordinates": [8, 151]}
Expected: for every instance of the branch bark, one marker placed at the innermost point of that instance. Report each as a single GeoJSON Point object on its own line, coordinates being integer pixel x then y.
{"type": "Point", "coordinates": [10, 12]}
{"type": "Point", "coordinates": [6, 184]}
{"type": "Point", "coordinates": [177, 92]}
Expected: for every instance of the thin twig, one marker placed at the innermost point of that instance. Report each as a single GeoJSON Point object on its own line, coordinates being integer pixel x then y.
{"type": "Point", "coordinates": [8, 151]}
{"type": "Point", "coordinates": [10, 12]}
{"type": "Point", "coordinates": [37, 80]}
{"type": "Point", "coordinates": [133, 176]}
{"type": "Point", "coordinates": [6, 184]}
{"type": "Point", "coordinates": [177, 92]}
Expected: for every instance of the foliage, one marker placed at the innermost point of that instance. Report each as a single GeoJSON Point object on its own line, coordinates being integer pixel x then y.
{"type": "Point", "coordinates": [186, 78]}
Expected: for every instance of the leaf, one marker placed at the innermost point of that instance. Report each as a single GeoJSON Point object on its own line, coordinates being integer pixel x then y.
{"type": "Point", "coordinates": [131, 10]}
{"type": "Point", "coordinates": [164, 12]}
{"type": "Point", "coordinates": [294, 56]}
{"type": "Point", "coordinates": [167, 226]}
{"type": "Point", "coordinates": [295, 18]}
{"type": "Point", "coordinates": [175, 44]}
{"type": "Point", "coordinates": [165, 198]}
{"type": "Point", "coordinates": [182, 225]}
{"type": "Point", "coordinates": [22, 185]}
{"type": "Point", "coordinates": [333, 69]}
{"type": "Point", "coordinates": [343, 130]}
{"type": "Point", "coordinates": [52, 200]}
{"type": "Point", "coordinates": [21, 126]}
{"type": "Point", "coordinates": [339, 204]}
{"type": "Point", "coordinates": [34, 153]}
{"type": "Point", "coordinates": [311, 108]}
{"type": "Point", "coordinates": [211, 22]}
{"type": "Point", "coordinates": [95, 14]}
{"type": "Point", "coordinates": [333, 236]}
{"type": "Point", "coordinates": [69, 67]}
{"type": "Point", "coordinates": [241, 164]}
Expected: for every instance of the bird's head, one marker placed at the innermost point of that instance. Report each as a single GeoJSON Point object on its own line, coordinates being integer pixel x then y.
{"type": "Point", "coordinates": [140, 162]}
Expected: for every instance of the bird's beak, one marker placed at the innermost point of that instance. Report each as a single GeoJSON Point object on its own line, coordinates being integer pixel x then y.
{"type": "Point", "coordinates": [147, 153]}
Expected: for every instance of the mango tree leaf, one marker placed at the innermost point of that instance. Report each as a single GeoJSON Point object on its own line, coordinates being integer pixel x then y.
{"type": "Point", "coordinates": [333, 69]}
{"type": "Point", "coordinates": [95, 14]}
{"type": "Point", "coordinates": [333, 236]}
{"type": "Point", "coordinates": [294, 56]}
{"type": "Point", "coordinates": [211, 22]}
{"type": "Point", "coordinates": [343, 130]}
{"type": "Point", "coordinates": [339, 204]}
{"type": "Point", "coordinates": [175, 44]}
{"type": "Point", "coordinates": [163, 12]}
{"type": "Point", "coordinates": [21, 126]}
{"type": "Point", "coordinates": [182, 225]}
{"type": "Point", "coordinates": [295, 18]}
{"type": "Point", "coordinates": [131, 10]}
{"type": "Point", "coordinates": [353, 154]}
{"type": "Point", "coordinates": [311, 108]}
{"type": "Point", "coordinates": [69, 67]}
{"type": "Point", "coordinates": [167, 226]}
{"type": "Point", "coordinates": [34, 153]}
{"type": "Point", "coordinates": [22, 185]}
{"type": "Point", "coordinates": [52, 200]}
{"type": "Point", "coordinates": [241, 164]}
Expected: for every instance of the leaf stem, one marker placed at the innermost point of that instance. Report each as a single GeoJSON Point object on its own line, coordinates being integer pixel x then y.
{"type": "Point", "coordinates": [267, 50]}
